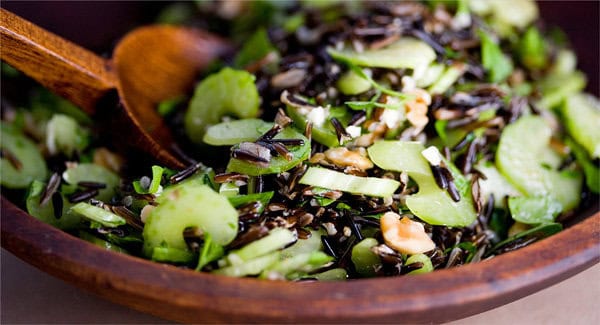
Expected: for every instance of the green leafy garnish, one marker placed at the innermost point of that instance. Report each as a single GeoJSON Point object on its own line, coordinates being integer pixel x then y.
{"type": "Point", "coordinates": [498, 65]}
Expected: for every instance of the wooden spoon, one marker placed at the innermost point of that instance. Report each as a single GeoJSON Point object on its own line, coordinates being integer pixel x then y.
{"type": "Point", "coordinates": [149, 65]}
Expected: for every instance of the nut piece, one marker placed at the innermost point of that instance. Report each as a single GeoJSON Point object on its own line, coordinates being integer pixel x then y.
{"type": "Point", "coordinates": [404, 235]}
{"type": "Point", "coordinates": [341, 156]}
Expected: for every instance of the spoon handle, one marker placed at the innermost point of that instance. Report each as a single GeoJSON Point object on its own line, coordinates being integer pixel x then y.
{"type": "Point", "coordinates": [61, 66]}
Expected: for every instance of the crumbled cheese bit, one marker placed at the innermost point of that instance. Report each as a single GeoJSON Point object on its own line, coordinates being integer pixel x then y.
{"type": "Point", "coordinates": [317, 116]}
{"type": "Point", "coordinates": [354, 131]}
{"type": "Point", "coordinates": [408, 83]}
{"type": "Point", "coordinates": [433, 155]}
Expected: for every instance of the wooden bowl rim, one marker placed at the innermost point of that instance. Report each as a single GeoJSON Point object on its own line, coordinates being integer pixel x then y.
{"type": "Point", "coordinates": [183, 295]}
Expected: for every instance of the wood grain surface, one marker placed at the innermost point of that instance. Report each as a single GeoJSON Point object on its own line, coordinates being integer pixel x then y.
{"type": "Point", "coordinates": [150, 64]}
{"type": "Point", "coordinates": [190, 297]}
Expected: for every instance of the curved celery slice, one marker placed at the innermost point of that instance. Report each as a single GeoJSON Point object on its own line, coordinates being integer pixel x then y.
{"type": "Point", "coordinates": [365, 261]}
{"type": "Point", "coordinates": [297, 265]}
{"type": "Point", "coordinates": [322, 134]}
{"type": "Point", "coordinates": [420, 258]}
{"type": "Point", "coordinates": [64, 134]}
{"type": "Point", "coordinates": [101, 242]}
{"type": "Point", "coordinates": [582, 118]}
{"type": "Point", "coordinates": [352, 84]}
{"type": "Point", "coordinates": [276, 239]}
{"type": "Point", "coordinates": [252, 267]}
{"type": "Point", "coordinates": [431, 204]}
{"type": "Point", "coordinates": [30, 164]}
{"type": "Point", "coordinates": [406, 53]}
{"type": "Point", "coordinates": [277, 164]}
{"type": "Point", "coordinates": [534, 210]}
{"type": "Point", "coordinates": [495, 184]}
{"type": "Point", "coordinates": [93, 173]}
{"type": "Point", "coordinates": [45, 213]}
{"type": "Point", "coordinates": [234, 132]}
{"type": "Point", "coordinates": [337, 274]}
{"type": "Point", "coordinates": [228, 92]}
{"type": "Point", "coordinates": [370, 186]}
{"type": "Point", "coordinates": [524, 156]}
{"type": "Point", "coordinates": [96, 214]}
{"type": "Point", "coordinates": [189, 205]}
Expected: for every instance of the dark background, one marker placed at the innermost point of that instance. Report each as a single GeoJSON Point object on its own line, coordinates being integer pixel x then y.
{"type": "Point", "coordinates": [97, 25]}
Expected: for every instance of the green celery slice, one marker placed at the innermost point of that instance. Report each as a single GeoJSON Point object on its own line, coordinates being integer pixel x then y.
{"type": "Point", "coordinates": [234, 132]}
{"type": "Point", "coordinates": [228, 92]}
{"type": "Point", "coordinates": [370, 186]}
{"type": "Point", "coordinates": [365, 261]}
{"type": "Point", "coordinates": [534, 210]}
{"type": "Point", "coordinates": [33, 165]}
{"type": "Point", "coordinates": [186, 205]}
{"type": "Point", "coordinates": [406, 53]}
{"type": "Point", "coordinates": [97, 214]}
{"type": "Point", "coordinates": [420, 258]}
{"type": "Point", "coordinates": [277, 164]}
{"type": "Point", "coordinates": [431, 204]}
{"type": "Point", "coordinates": [525, 158]}
{"type": "Point", "coordinates": [582, 119]}
{"type": "Point", "coordinates": [276, 239]}
{"type": "Point", "coordinates": [93, 173]}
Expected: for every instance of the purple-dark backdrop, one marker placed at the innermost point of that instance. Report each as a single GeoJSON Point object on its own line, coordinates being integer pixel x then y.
{"type": "Point", "coordinates": [96, 25]}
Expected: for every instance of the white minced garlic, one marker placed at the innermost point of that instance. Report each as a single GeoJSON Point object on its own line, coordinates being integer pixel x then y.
{"type": "Point", "coordinates": [404, 235]}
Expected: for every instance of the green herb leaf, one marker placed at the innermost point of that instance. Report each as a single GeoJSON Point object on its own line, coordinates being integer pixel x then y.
{"type": "Point", "coordinates": [532, 49]}
{"type": "Point", "coordinates": [210, 252]}
{"type": "Point", "coordinates": [498, 65]}
{"type": "Point", "coordinates": [256, 48]}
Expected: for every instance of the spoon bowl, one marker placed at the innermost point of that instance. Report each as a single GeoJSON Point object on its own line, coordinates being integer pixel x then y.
{"type": "Point", "coordinates": [149, 65]}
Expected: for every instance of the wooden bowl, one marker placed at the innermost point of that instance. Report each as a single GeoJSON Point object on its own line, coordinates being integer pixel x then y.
{"type": "Point", "coordinates": [186, 296]}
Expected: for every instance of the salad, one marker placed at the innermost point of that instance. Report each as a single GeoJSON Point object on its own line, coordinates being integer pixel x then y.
{"type": "Point", "coordinates": [342, 140]}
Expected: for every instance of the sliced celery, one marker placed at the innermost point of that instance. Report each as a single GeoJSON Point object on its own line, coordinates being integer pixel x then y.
{"type": "Point", "coordinates": [29, 164]}
{"type": "Point", "coordinates": [591, 170]}
{"type": "Point", "coordinates": [234, 132]}
{"type": "Point", "coordinates": [277, 164]}
{"type": "Point", "coordinates": [275, 240]}
{"type": "Point", "coordinates": [525, 158]}
{"type": "Point", "coordinates": [101, 242]}
{"type": "Point", "coordinates": [365, 261]}
{"type": "Point", "coordinates": [324, 134]}
{"type": "Point", "coordinates": [495, 184]}
{"type": "Point", "coordinates": [93, 173]}
{"type": "Point", "coordinates": [46, 212]}
{"type": "Point", "coordinates": [337, 274]}
{"type": "Point", "coordinates": [352, 84]}
{"type": "Point", "coordinates": [447, 79]}
{"type": "Point", "coordinates": [189, 205]}
{"type": "Point", "coordinates": [534, 210]}
{"type": "Point", "coordinates": [97, 214]}
{"type": "Point", "coordinates": [431, 204]}
{"type": "Point", "coordinates": [228, 92]}
{"type": "Point", "coordinates": [420, 258]}
{"type": "Point", "coordinates": [173, 255]}
{"type": "Point", "coordinates": [251, 267]}
{"type": "Point", "coordinates": [65, 135]}
{"type": "Point", "coordinates": [370, 186]}
{"type": "Point", "coordinates": [295, 265]}
{"type": "Point", "coordinates": [406, 53]}
{"type": "Point", "coordinates": [582, 119]}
